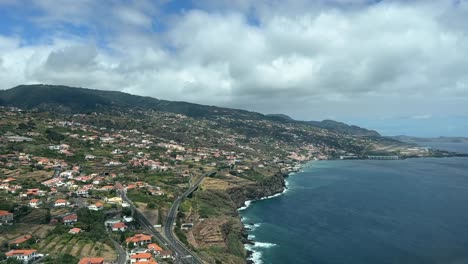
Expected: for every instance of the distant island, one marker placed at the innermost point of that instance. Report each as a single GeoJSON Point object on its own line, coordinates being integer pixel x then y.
{"type": "Point", "coordinates": [410, 139]}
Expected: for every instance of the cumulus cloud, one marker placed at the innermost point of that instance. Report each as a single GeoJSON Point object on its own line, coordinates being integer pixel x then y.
{"type": "Point", "coordinates": [308, 59]}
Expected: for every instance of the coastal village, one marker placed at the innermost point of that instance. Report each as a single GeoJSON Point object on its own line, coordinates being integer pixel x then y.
{"type": "Point", "coordinates": [62, 180]}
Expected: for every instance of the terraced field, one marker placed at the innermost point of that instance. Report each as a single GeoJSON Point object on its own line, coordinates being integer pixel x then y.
{"type": "Point", "coordinates": [76, 246]}
{"type": "Point", "coordinates": [39, 231]}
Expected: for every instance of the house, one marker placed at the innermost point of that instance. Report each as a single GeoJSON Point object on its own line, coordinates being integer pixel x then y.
{"type": "Point", "coordinates": [128, 219]}
{"type": "Point", "coordinates": [91, 261]}
{"type": "Point", "coordinates": [155, 248]}
{"type": "Point", "coordinates": [96, 207]}
{"type": "Point", "coordinates": [74, 231]}
{"type": "Point", "coordinates": [19, 240]}
{"type": "Point", "coordinates": [70, 219]}
{"type": "Point", "coordinates": [107, 188]}
{"type": "Point", "coordinates": [110, 222]}
{"type": "Point", "coordinates": [83, 192]}
{"type": "Point", "coordinates": [35, 192]}
{"type": "Point", "coordinates": [166, 254]}
{"type": "Point", "coordinates": [34, 203]}
{"type": "Point", "coordinates": [140, 257]}
{"type": "Point", "coordinates": [5, 217]}
{"type": "Point", "coordinates": [139, 239]}
{"type": "Point", "coordinates": [8, 180]}
{"type": "Point", "coordinates": [114, 200]}
{"type": "Point", "coordinates": [60, 202]}
{"type": "Point", "coordinates": [24, 255]}
{"type": "Point", "coordinates": [120, 226]}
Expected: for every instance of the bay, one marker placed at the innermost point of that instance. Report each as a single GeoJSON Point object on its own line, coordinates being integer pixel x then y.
{"type": "Point", "coordinates": [363, 211]}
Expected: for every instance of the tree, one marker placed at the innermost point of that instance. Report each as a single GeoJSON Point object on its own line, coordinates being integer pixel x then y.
{"type": "Point", "coordinates": [54, 136]}
{"type": "Point", "coordinates": [151, 205]}
{"type": "Point", "coordinates": [126, 211]}
{"type": "Point", "coordinates": [13, 261]}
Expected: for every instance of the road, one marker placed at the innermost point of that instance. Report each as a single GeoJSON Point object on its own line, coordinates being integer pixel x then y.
{"type": "Point", "coordinates": [122, 254]}
{"type": "Point", "coordinates": [183, 254]}
{"type": "Point", "coordinates": [171, 218]}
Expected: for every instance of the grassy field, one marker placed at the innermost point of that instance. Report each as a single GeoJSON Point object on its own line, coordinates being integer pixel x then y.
{"type": "Point", "coordinates": [55, 244]}
{"type": "Point", "coordinates": [76, 246]}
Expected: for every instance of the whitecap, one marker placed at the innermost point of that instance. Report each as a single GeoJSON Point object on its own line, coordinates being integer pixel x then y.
{"type": "Point", "coordinates": [263, 245]}
{"type": "Point", "coordinates": [256, 256]}
{"type": "Point", "coordinates": [246, 205]}
{"type": "Point", "coordinates": [252, 227]}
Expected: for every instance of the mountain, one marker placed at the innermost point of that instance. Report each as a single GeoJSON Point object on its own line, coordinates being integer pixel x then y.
{"type": "Point", "coordinates": [281, 116]}
{"type": "Point", "coordinates": [72, 100]}
{"type": "Point", "coordinates": [344, 128]}
{"type": "Point", "coordinates": [78, 100]}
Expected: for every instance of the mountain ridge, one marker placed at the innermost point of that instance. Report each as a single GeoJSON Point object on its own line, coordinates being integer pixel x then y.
{"type": "Point", "coordinates": [75, 100]}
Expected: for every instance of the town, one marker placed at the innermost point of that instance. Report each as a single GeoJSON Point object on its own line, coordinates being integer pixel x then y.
{"type": "Point", "coordinates": [97, 187]}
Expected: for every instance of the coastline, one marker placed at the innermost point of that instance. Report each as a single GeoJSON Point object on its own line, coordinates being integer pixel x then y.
{"type": "Point", "coordinates": [250, 245]}
{"type": "Point", "coordinates": [254, 254]}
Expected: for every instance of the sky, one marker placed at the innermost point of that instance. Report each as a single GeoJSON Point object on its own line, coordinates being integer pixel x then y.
{"type": "Point", "coordinates": [397, 66]}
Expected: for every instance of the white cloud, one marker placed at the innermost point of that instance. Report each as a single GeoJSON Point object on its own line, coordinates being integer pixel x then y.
{"type": "Point", "coordinates": [133, 17]}
{"type": "Point", "coordinates": [309, 60]}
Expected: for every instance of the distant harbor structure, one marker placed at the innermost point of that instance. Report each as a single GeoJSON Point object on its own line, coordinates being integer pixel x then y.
{"type": "Point", "coordinates": [346, 157]}
{"type": "Point", "coordinates": [350, 157]}
{"type": "Point", "coordinates": [383, 157]}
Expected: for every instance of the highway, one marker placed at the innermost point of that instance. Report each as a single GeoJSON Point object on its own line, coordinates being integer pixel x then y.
{"type": "Point", "coordinates": [183, 254]}
{"type": "Point", "coordinates": [183, 251]}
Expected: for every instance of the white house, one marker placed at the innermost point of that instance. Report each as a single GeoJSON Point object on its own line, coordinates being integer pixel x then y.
{"type": "Point", "coordinates": [35, 203]}
{"type": "Point", "coordinates": [128, 219]}
{"type": "Point", "coordinates": [119, 227]}
{"type": "Point", "coordinates": [96, 207]}
{"type": "Point", "coordinates": [70, 219]}
{"type": "Point", "coordinates": [141, 257]}
{"type": "Point", "coordinates": [110, 222]}
{"type": "Point", "coordinates": [24, 255]}
{"type": "Point", "coordinates": [60, 202]}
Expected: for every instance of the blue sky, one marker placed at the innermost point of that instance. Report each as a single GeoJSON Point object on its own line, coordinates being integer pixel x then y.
{"type": "Point", "coordinates": [395, 66]}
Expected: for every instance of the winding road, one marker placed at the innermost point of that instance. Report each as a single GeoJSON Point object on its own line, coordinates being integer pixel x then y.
{"type": "Point", "coordinates": [169, 240]}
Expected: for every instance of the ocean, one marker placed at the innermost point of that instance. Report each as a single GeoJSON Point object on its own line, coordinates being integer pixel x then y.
{"type": "Point", "coordinates": [363, 211]}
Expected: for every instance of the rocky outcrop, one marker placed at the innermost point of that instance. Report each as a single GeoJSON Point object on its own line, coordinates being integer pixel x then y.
{"type": "Point", "coordinates": [268, 187]}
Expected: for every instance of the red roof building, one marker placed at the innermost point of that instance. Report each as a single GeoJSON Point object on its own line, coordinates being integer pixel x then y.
{"type": "Point", "coordinates": [91, 261]}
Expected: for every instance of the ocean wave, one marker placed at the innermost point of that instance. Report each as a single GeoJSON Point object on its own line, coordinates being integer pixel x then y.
{"type": "Point", "coordinates": [256, 256]}
{"type": "Point", "coordinates": [275, 195]}
{"type": "Point", "coordinates": [246, 205]}
{"type": "Point", "coordinates": [252, 227]}
{"type": "Point", "coordinates": [264, 245]}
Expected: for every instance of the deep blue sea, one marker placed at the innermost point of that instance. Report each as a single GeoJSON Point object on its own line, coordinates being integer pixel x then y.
{"type": "Point", "coordinates": [359, 211]}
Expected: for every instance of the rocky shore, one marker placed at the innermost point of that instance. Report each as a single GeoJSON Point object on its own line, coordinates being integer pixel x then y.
{"type": "Point", "coordinates": [242, 196]}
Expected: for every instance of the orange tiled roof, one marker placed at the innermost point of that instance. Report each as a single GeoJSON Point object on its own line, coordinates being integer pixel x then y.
{"type": "Point", "coordinates": [141, 256]}
{"type": "Point", "coordinates": [91, 261]}
{"type": "Point", "coordinates": [154, 247]}
{"type": "Point", "coordinates": [138, 238]}
{"type": "Point", "coordinates": [3, 213]}
{"type": "Point", "coordinates": [21, 239]}
{"type": "Point", "coordinates": [119, 225]}
{"type": "Point", "coordinates": [75, 230]}
{"type": "Point", "coordinates": [22, 252]}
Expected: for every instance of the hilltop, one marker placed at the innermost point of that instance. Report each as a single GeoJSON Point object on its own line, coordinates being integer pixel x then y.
{"type": "Point", "coordinates": [71, 100]}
